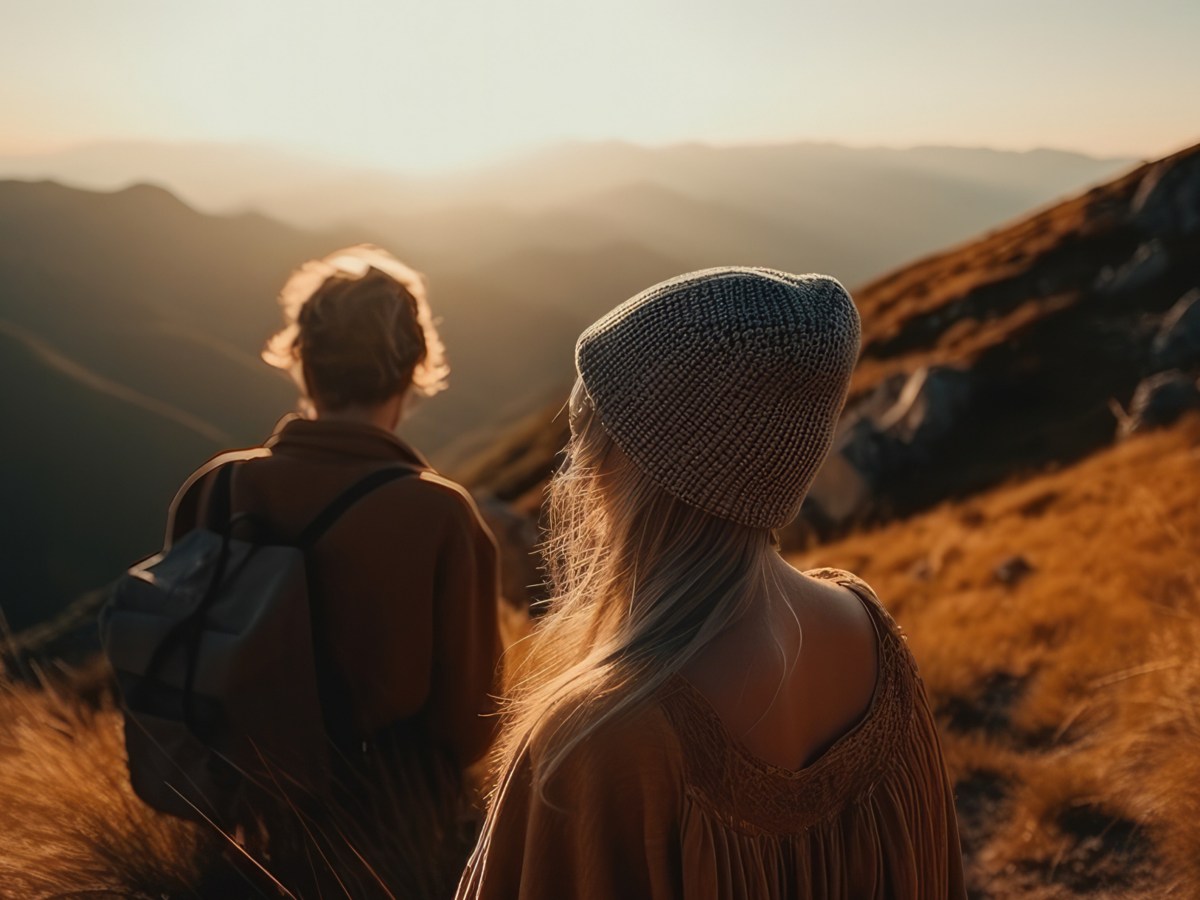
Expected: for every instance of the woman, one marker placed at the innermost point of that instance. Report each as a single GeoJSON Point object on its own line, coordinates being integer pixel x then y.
{"type": "Point", "coordinates": [697, 719]}
{"type": "Point", "coordinates": [406, 580]}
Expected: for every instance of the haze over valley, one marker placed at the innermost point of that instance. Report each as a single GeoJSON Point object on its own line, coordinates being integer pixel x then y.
{"type": "Point", "coordinates": [130, 305]}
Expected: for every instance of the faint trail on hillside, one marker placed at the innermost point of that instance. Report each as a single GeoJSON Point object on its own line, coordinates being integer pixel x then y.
{"type": "Point", "coordinates": [90, 379]}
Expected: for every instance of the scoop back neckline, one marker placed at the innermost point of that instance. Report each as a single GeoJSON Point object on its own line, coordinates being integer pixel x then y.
{"type": "Point", "coordinates": [884, 661]}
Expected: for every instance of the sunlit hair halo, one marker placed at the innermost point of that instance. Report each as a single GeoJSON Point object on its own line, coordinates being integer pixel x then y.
{"type": "Point", "coordinates": [660, 537]}
{"type": "Point", "coordinates": [358, 330]}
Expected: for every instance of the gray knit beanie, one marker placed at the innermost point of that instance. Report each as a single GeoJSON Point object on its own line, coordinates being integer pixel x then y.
{"type": "Point", "coordinates": [724, 385]}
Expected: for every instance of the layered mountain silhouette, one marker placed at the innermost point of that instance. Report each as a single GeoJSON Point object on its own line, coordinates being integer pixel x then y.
{"type": "Point", "coordinates": [84, 469]}
{"type": "Point", "coordinates": [133, 309]}
{"type": "Point", "coordinates": [223, 178]}
{"type": "Point", "coordinates": [799, 206]}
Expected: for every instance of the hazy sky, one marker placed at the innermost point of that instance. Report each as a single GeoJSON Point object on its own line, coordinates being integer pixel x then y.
{"type": "Point", "coordinates": [440, 83]}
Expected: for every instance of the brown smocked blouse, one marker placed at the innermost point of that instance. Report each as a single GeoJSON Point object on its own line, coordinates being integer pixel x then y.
{"type": "Point", "coordinates": [667, 804]}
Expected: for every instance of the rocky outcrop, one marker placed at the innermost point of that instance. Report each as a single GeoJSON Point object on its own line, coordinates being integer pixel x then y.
{"type": "Point", "coordinates": [1160, 400]}
{"type": "Point", "coordinates": [1177, 342]}
{"type": "Point", "coordinates": [894, 429]}
{"type": "Point", "coordinates": [1149, 262]}
{"type": "Point", "coordinates": [1167, 201]}
{"type": "Point", "coordinates": [900, 424]}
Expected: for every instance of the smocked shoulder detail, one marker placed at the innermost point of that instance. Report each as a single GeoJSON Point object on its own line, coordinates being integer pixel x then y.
{"type": "Point", "coordinates": [867, 594]}
{"type": "Point", "coordinates": [750, 795]}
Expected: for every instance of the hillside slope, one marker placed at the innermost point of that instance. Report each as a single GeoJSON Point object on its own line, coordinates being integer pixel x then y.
{"type": "Point", "coordinates": [141, 289]}
{"type": "Point", "coordinates": [1055, 622]}
{"type": "Point", "coordinates": [130, 326]}
{"type": "Point", "coordinates": [145, 292]}
{"type": "Point", "coordinates": [85, 477]}
{"type": "Point", "coordinates": [999, 480]}
{"type": "Point", "coordinates": [1030, 333]}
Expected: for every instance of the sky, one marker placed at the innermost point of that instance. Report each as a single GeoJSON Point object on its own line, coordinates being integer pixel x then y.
{"type": "Point", "coordinates": [442, 84]}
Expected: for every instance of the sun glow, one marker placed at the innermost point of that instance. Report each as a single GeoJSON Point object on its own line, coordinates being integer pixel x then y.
{"type": "Point", "coordinates": [430, 86]}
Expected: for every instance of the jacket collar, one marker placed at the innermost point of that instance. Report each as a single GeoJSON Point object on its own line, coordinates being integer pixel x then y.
{"type": "Point", "coordinates": [320, 438]}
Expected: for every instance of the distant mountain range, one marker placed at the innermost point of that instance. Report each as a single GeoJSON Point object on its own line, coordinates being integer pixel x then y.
{"type": "Point", "coordinates": [131, 322]}
{"type": "Point", "coordinates": [230, 178]}
{"type": "Point", "coordinates": [806, 206]}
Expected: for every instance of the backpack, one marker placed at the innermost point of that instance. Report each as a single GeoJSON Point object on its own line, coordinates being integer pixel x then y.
{"type": "Point", "coordinates": [220, 657]}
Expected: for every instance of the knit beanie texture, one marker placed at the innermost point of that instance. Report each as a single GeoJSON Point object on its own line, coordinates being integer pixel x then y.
{"type": "Point", "coordinates": [724, 385]}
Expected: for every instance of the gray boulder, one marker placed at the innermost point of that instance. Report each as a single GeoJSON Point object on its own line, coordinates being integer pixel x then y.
{"type": "Point", "coordinates": [901, 424]}
{"type": "Point", "coordinates": [1149, 262]}
{"type": "Point", "coordinates": [1167, 201]}
{"type": "Point", "coordinates": [1177, 343]}
{"type": "Point", "coordinates": [894, 428]}
{"type": "Point", "coordinates": [1159, 400]}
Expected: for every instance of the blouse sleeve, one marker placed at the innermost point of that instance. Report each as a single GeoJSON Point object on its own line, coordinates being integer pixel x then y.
{"type": "Point", "coordinates": [607, 828]}
{"type": "Point", "coordinates": [916, 818]}
{"type": "Point", "coordinates": [942, 846]}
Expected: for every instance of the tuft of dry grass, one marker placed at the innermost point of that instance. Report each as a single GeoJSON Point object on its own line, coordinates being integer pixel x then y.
{"type": "Point", "coordinates": [1055, 621]}
{"type": "Point", "coordinates": [69, 821]}
{"type": "Point", "coordinates": [71, 826]}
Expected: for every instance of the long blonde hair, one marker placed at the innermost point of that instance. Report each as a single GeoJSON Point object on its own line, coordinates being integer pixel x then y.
{"type": "Point", "coordinates": [640, 582]}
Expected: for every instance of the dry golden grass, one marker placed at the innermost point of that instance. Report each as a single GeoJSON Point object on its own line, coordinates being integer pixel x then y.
{"type": "Point", "coordinates": [934, 282]}
{"type": "Point", "coordinates": [71, 826]}
{"type": "Point", "coordinates": [69, 822]}
{"type": "Point", "coordinates": [1070, 697]}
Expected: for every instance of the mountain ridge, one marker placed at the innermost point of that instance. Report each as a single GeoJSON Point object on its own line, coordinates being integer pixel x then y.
{"type": "Point", "coordinates": [224, 177]}
{"type": "Point", "coordinates": [141, 289]}
{"type": "Point", "coordinates": [1035, 313]}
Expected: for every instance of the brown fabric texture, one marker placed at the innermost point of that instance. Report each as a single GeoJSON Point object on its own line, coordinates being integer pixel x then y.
{"type": "Point", "coordinates": [668, 805]}
{"type": "Point", "coordinates": [408, 583]}
{"type": "Point", "coordinates": [408, 576]}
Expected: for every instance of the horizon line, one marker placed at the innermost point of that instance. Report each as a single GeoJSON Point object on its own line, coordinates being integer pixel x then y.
{"type": "Point", "coordinates": [312, 156]}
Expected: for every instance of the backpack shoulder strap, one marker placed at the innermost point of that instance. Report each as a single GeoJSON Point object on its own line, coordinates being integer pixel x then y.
{"type": "Point", "coordinates": [187, 501]}
{"type": "Point", "coordinates": [340, 504]}
{"type": "Point", "coordinates": [335, 695]}
{"type": "Point", "coordinates": [220, 501]}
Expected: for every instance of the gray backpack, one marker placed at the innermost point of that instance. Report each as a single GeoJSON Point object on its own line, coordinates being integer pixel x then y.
{"type": "Point", "coordinates": [226, 692]}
